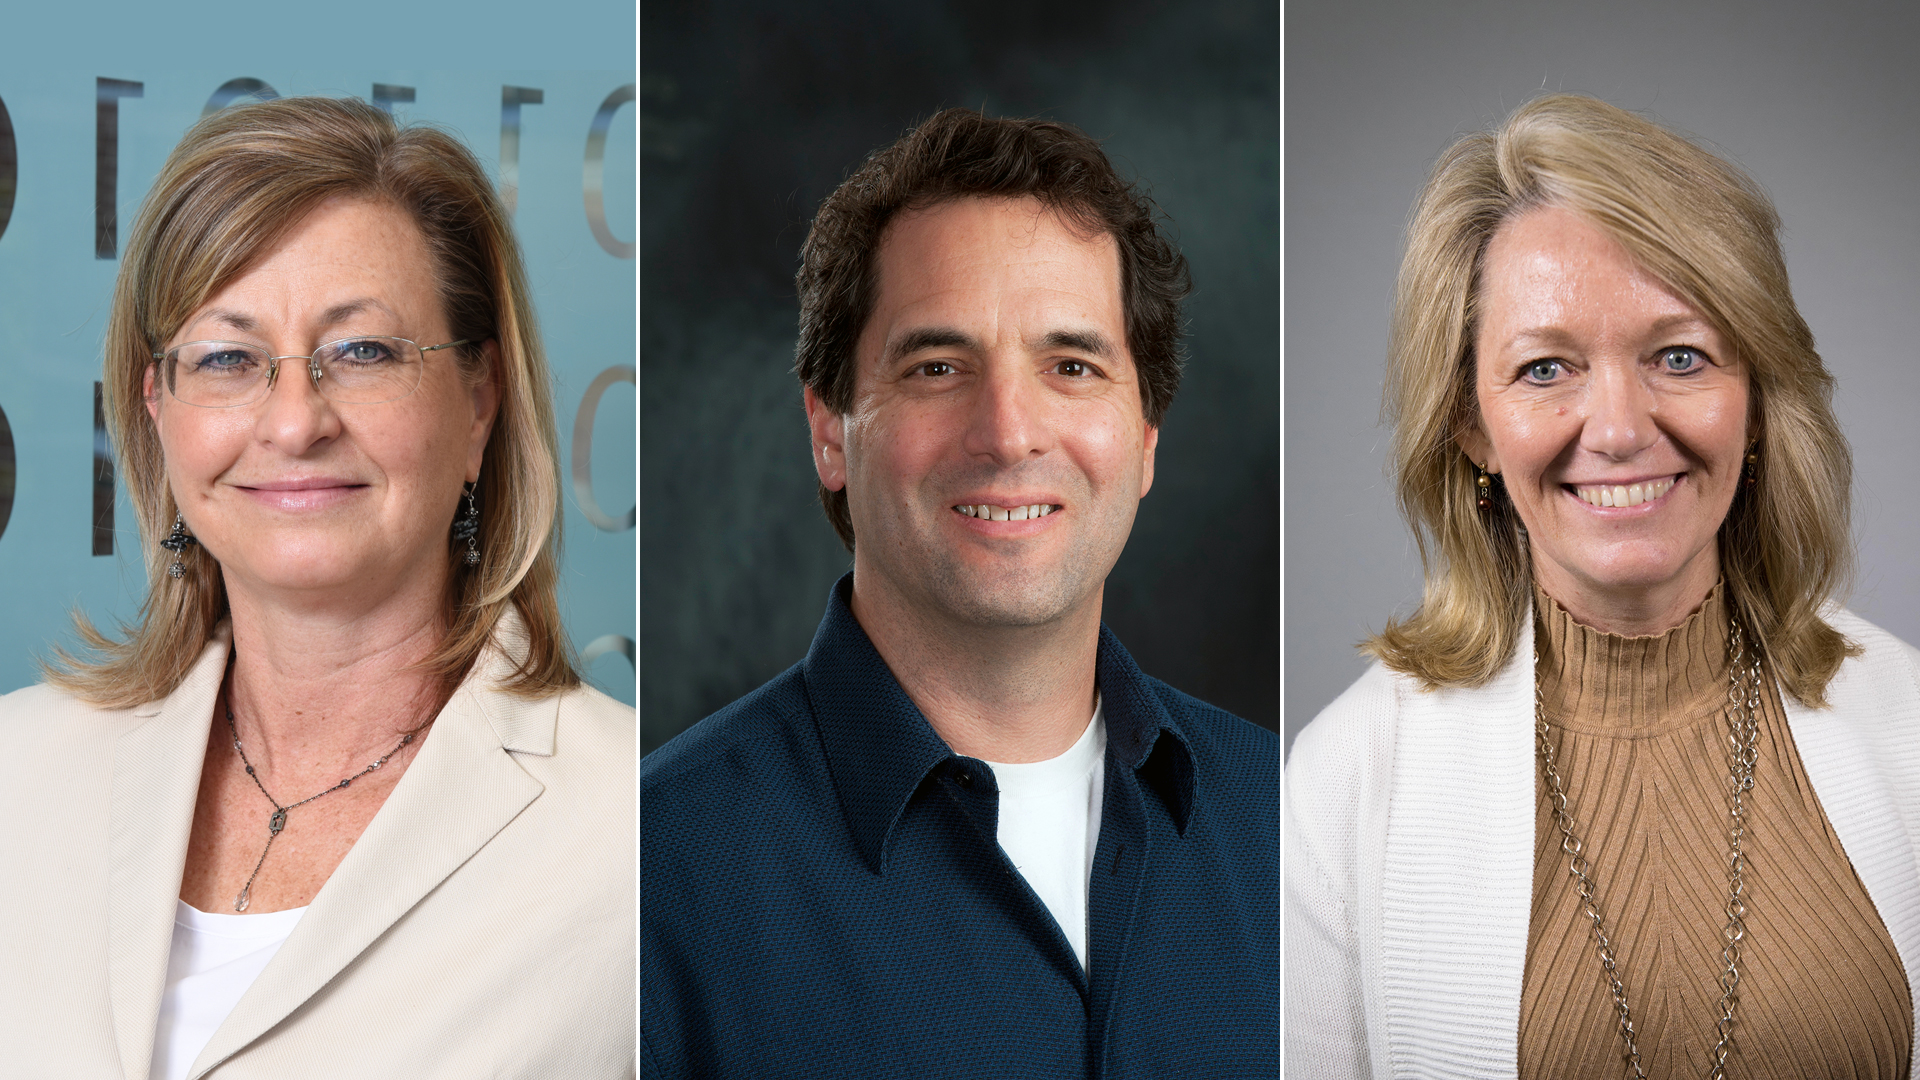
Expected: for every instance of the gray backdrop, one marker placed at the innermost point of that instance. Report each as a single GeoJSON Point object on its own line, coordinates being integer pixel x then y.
{"type": "Point", "coordinates": [1821, 103]}
{"type": "Point", "coordinates": [751, 112]}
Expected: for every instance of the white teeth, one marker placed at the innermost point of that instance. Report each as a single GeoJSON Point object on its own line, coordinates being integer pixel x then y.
{"type": "Point", "coordinates": [987, 512]}
{"type": "Point", "coordinates": [1624, 494]}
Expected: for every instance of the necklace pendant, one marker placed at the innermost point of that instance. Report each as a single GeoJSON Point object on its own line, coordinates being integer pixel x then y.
{"type": "Point", "coordinates": [246, 897]}
{"type": "Point", "coordinates": [277, 822]}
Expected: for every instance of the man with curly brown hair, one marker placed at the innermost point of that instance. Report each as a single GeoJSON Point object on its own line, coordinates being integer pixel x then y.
{"type": "Point", "coordinates": [966, 834]}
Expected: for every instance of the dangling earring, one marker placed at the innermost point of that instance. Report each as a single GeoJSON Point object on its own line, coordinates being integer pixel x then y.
{"type": "Point", "coordinates": [1483, 485]}
{"type": "Point", "coordinates": [467, 527]}
{"type": "Point", "coordinates": [178, 541]}
{"type": "Point", "coordinates": [1753, 467]}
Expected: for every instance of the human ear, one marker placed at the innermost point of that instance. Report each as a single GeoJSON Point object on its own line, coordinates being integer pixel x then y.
{"type": "Point", "coordinates": [1474, 443]}
{"type": "Point", "coordinates": [829, 431]}
{"type": "Point", "coordinates": [1146, 461]}
{"type": "Point", "coordinates": [485, 395]}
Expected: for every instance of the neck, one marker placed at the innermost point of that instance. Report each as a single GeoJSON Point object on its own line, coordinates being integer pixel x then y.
{"type": "Point", "coordinates": [1631, 610]}
{"type": "Point", "coordinates": [315, 690]}
{"type": "Point", "coordinates": [1000, 693]}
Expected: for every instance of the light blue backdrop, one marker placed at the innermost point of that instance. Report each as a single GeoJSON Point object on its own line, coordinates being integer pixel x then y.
{"type": "Point", "coordinates": [54, 290]}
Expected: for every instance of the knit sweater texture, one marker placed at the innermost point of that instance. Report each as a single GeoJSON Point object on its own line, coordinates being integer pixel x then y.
{"type": "Point", "coordinates": [1409, 840]}
{"type": "Point", "coordinates": [1640, 728]}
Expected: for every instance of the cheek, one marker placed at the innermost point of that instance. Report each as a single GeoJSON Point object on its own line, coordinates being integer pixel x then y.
{"type": "Point", "coordinates": [415, 453]}
{"type": "Point", "coordinates": [439, 426]}
{"type": "Point", "coordinates": [197, 446]}
{"type": "Point", "coordinates": [903, 441]}
{"type": "Point", "coordinates": [1525, 441]}
{"type": "Point", "coordinates": [1109, 448]}
{"type": "Point", "coordinates": [1504, 435]}
{"type": "Point", "coordinates": [1713, 428]}
{"type": "Point", "coordinates": [1727, 425]}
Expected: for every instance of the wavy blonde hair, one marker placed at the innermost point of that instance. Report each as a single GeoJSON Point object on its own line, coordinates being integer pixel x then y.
{"type": "Point", "coordinates": [235, 184]}
{"type": "Point", "coordinates": [1708, 232]}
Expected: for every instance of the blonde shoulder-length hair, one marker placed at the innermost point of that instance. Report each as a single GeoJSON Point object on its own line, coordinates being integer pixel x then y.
{"type": "Point", "coordinates": [235, 184]}
{"type": "Point", "coordinates": [1705, 229]}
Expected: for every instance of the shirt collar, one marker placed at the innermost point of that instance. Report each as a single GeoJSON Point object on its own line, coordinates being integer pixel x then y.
{"type": "Point", "coordinates": [880, 748]}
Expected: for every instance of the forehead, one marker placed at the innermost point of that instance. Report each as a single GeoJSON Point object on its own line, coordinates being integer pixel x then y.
{"type": "Point", "coordinates": [346, 253]}
{"type": "Point", "coordinates": [995, 256]}
{"type": "Point", "coordinates": [1551, 266]}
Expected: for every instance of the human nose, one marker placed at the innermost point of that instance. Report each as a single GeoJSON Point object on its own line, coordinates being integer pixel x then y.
{"type": "Point", "coordinates": [1619, 421]}
{"type": "Point", "coordinates": [295, 415]}
{"type": "Point", "coordinates": [1008, 422]}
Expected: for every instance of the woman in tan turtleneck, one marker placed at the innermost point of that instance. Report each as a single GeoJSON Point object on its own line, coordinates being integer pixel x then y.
{"type": "Point", "coordinates": [1614, 433]}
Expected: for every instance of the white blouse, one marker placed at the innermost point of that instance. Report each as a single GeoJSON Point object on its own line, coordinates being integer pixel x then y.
{"type": "Point", "coordinates": [214, 958]}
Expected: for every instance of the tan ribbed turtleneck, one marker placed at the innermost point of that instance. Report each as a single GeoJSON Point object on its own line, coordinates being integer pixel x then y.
{"type": "Point", "coordinates": [1640, 734]}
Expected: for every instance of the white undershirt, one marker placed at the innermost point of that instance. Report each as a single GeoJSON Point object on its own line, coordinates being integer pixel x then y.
{"type": "Point", "coordinates": [213, 960]}
{"type": "Point", "coordinates": [1050, 822]}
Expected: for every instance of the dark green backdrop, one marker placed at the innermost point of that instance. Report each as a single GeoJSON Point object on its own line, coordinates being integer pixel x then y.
{"type": "Point", "coordinates": [751, 112]}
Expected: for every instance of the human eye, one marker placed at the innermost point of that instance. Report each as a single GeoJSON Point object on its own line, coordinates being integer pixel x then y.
{"type": "Point", "coordinates": [933, 369]}
{"type": "Point", "coordinates": [219, 358]}
{"type": "Point", "coordinates": [1542, 372]}
{"type": "Point", "coordinates": [362, 352]}
{"type": "Point", "coordinates": [1075, 369]}
{"type": "Point", "coordinates": [1682, 360]}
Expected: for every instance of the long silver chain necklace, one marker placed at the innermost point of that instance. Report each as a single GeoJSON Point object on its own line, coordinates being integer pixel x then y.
{"type": "Point", "coordinates": [1743, 709]}
{"type": "Point", "coordinates": [279, 819]}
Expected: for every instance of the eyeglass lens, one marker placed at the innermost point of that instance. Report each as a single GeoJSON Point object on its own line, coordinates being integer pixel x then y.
{"type": "Point", "coordinates": [364, 371]}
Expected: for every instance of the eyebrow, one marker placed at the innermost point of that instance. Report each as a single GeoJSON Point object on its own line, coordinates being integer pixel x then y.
{"type": "Point", "coordinates": [1554, 337]}
{"type": "Point", "coordinates": [333, 316]}
{"type": "Point", "coordinates": [1682, 322]}
{"type": "Point", "coordinates": [1091, 342]}
{"type": "Point", "coordinates": [931, 337]}
{"type": "Point", "coordinates": [235, 319]}
{"type": "Point", "coordinates": [1536, 337]}
{"type": "Point", "coordinates": [1087, 341]}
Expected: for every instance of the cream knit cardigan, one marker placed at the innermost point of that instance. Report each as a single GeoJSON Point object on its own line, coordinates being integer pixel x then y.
{"type": "Point", "coordinates": [1407, 847]}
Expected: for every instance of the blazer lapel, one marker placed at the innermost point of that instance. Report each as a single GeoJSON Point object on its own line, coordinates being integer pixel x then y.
{"type": "Point", "coordinates": [462, 789]}
{"type": "Point", "coordinates": [1458, 882]}
{"type": "Point", "coordinates": [156, 781]}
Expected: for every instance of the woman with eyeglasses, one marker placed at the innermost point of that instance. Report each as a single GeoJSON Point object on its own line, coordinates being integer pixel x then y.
{"type": "Point", "coordinates": [339, 796]}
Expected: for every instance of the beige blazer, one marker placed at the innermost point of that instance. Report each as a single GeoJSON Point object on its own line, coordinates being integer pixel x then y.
{"type": "Point", "coordinates": [483, 925]}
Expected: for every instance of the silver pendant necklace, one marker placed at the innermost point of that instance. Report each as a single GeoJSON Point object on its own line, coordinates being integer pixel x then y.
{"type": "Point", "coordinates": [279, 819]}
{"type": "Point", "coordinates": [1743, 709]}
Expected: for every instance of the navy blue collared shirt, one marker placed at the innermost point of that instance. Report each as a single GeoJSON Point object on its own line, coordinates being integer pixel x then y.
{"type": "Point", "coordinates": [823, 893]}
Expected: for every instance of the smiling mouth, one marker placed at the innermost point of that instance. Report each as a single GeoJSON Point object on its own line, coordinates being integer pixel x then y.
{"type": "Point", "coordinates": [1623, 494]}
{"type": "Point", "coordinates": [318, 483]}
{"type": "Point", "coordinates": [987, 512]}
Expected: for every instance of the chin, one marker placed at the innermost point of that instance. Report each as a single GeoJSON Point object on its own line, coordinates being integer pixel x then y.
{"type": "Point", "coordinates": [1004, 600]}
{"type": "Point", "coordinates": [305, 566]}
{"type": "Point", "coordinates": [1637, 573]}
{"type": "Point", "coordinates": [302, 577]}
